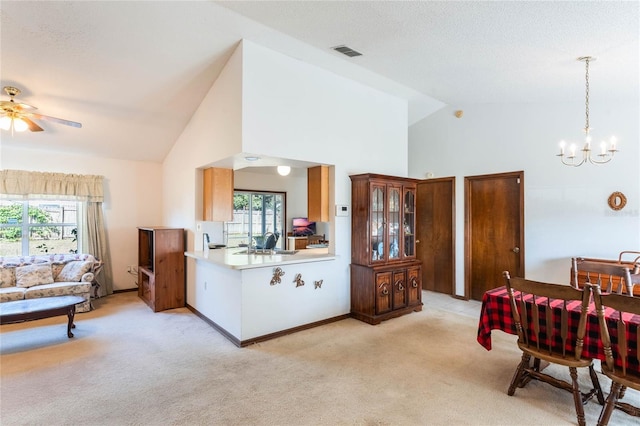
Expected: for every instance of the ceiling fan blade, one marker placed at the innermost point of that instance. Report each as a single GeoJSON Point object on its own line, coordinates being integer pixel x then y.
{"type": "Point", "coordinates": [24, 106]}
{"type": "Point", "coordinates": [32, 125]}
{"type": "Point", "coordinates": [56, 120]}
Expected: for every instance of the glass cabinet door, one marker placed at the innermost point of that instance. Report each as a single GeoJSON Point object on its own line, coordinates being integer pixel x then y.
{"type": "Point", "coordinates": [377, 236]}
{"type": "Point", "coordinates": [394, 223]}
{"type": "Point", "coordinates": [408, 227]}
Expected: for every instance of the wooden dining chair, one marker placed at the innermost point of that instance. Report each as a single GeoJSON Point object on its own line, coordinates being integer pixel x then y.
{"type": "Point", "coordinates": [620, 344]}
{"type": "Point", "coordinates": [611, 277]}
{"type": "Point", "coordinates": [541, 314]}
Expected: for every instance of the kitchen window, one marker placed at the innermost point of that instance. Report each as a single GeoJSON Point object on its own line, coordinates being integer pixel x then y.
{"type": "Point", "coordinates": [254, 215]}
{"type": "Point", "coordinates": [39, 226]}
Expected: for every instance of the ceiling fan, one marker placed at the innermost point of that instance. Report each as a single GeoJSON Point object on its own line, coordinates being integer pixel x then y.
{"type": "Point", "coordinates": [16, 116]}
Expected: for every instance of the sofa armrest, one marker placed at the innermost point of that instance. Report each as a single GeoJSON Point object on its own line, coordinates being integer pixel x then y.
{"type": "Point", "coordinates": [88, 277]}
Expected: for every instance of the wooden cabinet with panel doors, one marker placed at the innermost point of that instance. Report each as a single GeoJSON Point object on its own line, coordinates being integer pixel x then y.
{"type": "Point", "coordinates": [161, 273]}
{"type": "Point", "coordinates": [385, 274]}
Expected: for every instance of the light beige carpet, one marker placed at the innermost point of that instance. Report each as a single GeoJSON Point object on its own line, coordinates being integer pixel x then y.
{"type": "Point", "coordinates": [129, 366]}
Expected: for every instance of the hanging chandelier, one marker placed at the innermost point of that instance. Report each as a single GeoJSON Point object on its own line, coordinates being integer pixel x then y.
{"type": "Point", "coordinates": [605, 155]}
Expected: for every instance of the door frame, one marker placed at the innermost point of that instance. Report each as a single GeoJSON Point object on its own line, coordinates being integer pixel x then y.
{"type": "Point", "coordinates": [467, 223]}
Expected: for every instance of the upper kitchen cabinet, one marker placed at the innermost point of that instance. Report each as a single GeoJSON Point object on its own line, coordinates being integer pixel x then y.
{"type": "Point", "coordinates": [318, 193]}
{"type": "Point", "coordinates": [217, 197]}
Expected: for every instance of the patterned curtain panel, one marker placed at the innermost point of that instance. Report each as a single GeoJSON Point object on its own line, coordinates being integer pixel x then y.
{"type": "Point", "coordinates": [86, 188]}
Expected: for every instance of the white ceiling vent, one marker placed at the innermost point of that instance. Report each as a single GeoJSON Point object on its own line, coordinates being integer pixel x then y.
{"type": "Point", "coordinates": [346, 51]}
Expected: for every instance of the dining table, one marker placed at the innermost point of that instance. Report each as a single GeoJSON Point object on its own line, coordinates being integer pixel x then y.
{"type": "Point", "coordinates": [495, 314]}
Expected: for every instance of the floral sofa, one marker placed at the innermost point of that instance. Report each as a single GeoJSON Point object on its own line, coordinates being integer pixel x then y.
{"type": "Point", "coordinates": [29, 277]}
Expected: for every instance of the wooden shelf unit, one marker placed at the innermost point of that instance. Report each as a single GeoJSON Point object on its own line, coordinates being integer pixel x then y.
{"type": "Point", "coordinates": [161, 272]}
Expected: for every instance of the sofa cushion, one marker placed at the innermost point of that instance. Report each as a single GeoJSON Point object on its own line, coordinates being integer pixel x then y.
{"type": "Point", "coordinates": [36, 274]}
{"type": "Point", "coordinates": [56, 267]}
{"type": "Point", "coordinates": [57, 289]}
{"type": "Point", "coordinates": [73, 271]}
{"type": "Point", "coordinates": [7, 277]}
{"type": "Point", "coordinates": [8, 294]}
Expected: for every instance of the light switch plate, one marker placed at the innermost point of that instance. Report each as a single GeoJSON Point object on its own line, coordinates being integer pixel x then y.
{"type": "Point", "coordinates": [342, 210]}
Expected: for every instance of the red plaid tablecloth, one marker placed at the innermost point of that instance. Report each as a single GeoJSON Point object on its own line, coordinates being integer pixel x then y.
{"type": "Point", "coordinates": [496, 315]}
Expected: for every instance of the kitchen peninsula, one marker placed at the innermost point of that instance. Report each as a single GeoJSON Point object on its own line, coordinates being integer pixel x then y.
{"type": "Point", "coordinates": [252, 297]}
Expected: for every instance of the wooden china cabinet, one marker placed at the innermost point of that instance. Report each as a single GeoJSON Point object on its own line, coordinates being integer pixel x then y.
{"type": "Point", "coordinates": [386, 277]}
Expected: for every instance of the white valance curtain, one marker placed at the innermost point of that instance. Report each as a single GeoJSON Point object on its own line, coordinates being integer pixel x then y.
{"type": "Point", "coordinates": [88, 189]}
{"type": "Point", "coordinates": [59, 185]}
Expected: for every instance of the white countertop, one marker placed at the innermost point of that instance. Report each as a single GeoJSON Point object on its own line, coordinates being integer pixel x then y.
{"type": "Point", "coordinates": [231, 258]}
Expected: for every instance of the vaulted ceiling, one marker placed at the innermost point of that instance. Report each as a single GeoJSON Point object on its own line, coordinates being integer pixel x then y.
{"type": "Point", "coordinates": [134, 72]}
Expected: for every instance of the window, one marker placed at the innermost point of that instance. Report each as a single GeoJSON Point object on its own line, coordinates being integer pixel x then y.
{"type": "Point", "coordinates": [39, 226]}
{"type": "Point", "coordinates": [255, 214]}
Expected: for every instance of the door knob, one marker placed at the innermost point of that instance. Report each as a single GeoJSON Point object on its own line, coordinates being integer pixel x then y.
{"type": "Point", "coordinates": [516, 249]}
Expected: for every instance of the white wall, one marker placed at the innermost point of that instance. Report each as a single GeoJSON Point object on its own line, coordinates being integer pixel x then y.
{"type": "Point", "coordinates": [292, 110]}
{"type": "Point", "coordinates": [566, 210]}
{"type": "Point", "coordinates": [133, 197]}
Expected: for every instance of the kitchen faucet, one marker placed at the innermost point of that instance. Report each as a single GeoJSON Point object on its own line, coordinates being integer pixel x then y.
{"type": "Point", "coordinates": [205, 241]}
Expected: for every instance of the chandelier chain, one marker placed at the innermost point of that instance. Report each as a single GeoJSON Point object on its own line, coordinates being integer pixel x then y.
{"type": "Point", "coordinates": [586, 128]}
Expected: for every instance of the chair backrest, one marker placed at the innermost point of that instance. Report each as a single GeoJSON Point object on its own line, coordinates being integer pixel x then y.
{"type": "Point", "coordinates": [611, 277]}
{"type": "Point", "coordinates": [541, 313]}
{"type": "Point", "coordinates": [271, 240]}
{"type": "Point", "coordinates": [625, 345]}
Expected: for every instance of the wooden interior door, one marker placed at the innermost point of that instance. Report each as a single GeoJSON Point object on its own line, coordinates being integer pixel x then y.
{"type": "Point", "coordinates": [494, 230]}
{"type": "Point", "coordinates": [435, 233]}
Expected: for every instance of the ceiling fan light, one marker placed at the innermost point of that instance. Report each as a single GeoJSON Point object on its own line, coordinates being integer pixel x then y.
{"type": "Point", "coordinates": [19, 125]}
{"type": "Point", "coordinates": [284, 170]}
{"type": "Point", "coordinates": [5, 123]}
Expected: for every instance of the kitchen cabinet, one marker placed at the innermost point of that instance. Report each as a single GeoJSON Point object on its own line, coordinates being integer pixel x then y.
{"type": "Point", "coordinates": [217, 196]}
{"type": "Point", "coordinates": [385, 274]}
{"type": "Point", "coordinates": [318, 194]}
{"type": "Point", "coordinates": [161, 275]}
{"type": "Point", "coordinates": [297, 243]}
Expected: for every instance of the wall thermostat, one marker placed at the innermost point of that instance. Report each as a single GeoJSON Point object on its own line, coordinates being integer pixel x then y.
{"type": "Point", "coordinates": [342, 210]}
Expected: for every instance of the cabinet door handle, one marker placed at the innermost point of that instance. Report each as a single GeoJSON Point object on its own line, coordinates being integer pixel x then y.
{"type": "Point", "coordinates": [399, 285]}
{"type": "Point", "coordinates": [414, 282]}
{"type": "Point", "coordinates": [385, 290]}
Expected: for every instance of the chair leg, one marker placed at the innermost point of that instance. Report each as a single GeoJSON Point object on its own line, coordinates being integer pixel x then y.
{"type": "Point", "coordinates": [577, 396]}
{"type": "Point", "coordinates": [596, 384]}
{"type": "Point", "coordinates": [605, 414]}
{"type": "Point", "coordinates": [622, 391]}
{"type": "Point", "coordinates": [518, 375]}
